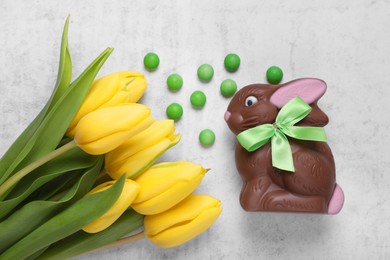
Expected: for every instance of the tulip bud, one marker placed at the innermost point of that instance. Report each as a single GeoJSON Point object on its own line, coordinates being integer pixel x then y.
{"type": "Point", "coordinates": [110, 90]}
{"type": "Point", "coordinates": [183, 222]}
{"type": "Point", "coordinates": [165, 184]}
{"type": "Point", "coordinates": [139, 152]}
{"type": "Point", "coordinates": [129, 192]}
{"type": "Point", "coordinates": [105, 129]}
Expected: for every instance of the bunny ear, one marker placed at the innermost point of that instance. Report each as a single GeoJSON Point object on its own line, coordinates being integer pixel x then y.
{"type": "Point", "coordinates": [310, 90]}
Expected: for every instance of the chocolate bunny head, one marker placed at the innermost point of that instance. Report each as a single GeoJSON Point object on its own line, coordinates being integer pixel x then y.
{"type": "Point", "coordinates": [259, 104]}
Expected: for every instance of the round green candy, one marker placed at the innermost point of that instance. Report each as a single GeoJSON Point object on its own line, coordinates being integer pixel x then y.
{"type": "Point", "coordinates": [198, 99]}
{"type": "Point", "coordinates": [205, 72]}
{"type": "Point", "coordinates": [206, 137]}
{"type": "Point", "coordinates": [151, 61]}
{"type": "Point", "coordinates": [274, 75]}
{"type": "Point", "coordinates": [228, 87]}
{"type": "Point", "coordinates": [232, 62]}
{"type": "Point", "coordinates": [174, 82]}
{"type": "Point", "coordinates": [174, 111]}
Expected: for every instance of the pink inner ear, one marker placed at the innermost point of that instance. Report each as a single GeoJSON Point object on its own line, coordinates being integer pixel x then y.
{"type": "Point", "coordinates": [310, 90]}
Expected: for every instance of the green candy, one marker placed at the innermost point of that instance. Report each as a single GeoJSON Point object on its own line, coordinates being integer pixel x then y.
{"type": "Point", "coordinates": [151, 61]}
{"type": "Point", "coordinates": [228, 87]}
{"type": "Point", "coordinates": [174, 82]}
{"type": "Point", "coordinates": [174, 111]}
{"type": "Point", "coordinates": [206, 137]}
{"type": "Point", "coordinates": [205, 72]}
{"type": "Point", "coordinates": [274, 75]}
{"type": "Point", "coordinates": [198, 99]}
{"type": "Point", "coordinates": [232, 62]}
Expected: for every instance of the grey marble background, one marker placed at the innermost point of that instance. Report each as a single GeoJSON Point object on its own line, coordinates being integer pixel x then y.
{"type": "Point", "coordinates": [346, 43]}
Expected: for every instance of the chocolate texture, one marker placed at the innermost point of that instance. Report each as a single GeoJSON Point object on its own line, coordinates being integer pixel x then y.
{"type": "Point", "coordinates": [312, 187]}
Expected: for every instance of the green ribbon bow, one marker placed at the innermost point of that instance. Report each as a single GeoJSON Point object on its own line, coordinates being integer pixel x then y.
{"type": "Point", "coordinates": [291, 113]}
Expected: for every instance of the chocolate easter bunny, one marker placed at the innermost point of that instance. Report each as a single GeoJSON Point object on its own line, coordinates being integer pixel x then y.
{"type": "Point", "coordinates": [312, 186]}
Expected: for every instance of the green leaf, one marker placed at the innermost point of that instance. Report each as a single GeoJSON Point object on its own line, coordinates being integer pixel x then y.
{"type": "Point", "coordinates": [55, 124]}
{"type": "Point", "coordinates": [36, 213]}
{"type": "Point", "coordinates": [69, 221]}
{"type": "Point", "coordinates": [65, 68]}
{"type": "Point", "coordinates": [36, 254]}
{"type": "Point", "coordinates": [82, 242]}
{"type": "Point", "coordinates": [54, 189]}
{"type": "Point", "coordinates": [74, 159]}
{"type": "Point", "coordinates": [20, 148]}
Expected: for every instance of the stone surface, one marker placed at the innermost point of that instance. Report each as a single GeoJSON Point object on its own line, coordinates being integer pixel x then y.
{"type": "Point", "coordinates": [345, 43]}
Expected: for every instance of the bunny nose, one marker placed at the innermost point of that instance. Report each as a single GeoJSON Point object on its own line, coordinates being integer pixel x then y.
{"type": "Point", "coordinates": [227, 115]}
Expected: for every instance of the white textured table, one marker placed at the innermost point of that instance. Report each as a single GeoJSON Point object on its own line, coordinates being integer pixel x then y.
{"type": "Point", "coordinates": [346, 43]}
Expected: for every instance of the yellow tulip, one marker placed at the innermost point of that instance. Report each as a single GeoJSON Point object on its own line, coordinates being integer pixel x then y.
{"type": "Point", "coordinates": [105, 129]}
{"type": "Point", "coordinates": [183, 222]}
{"type": "Point", "coordinates": [127, 196]}
{"type": "Point", "coordinates": [139, 152]}
{"type": "Point", "coordinates": [165, 184]}
{"type": "Point", "coordinates": [112, 89]}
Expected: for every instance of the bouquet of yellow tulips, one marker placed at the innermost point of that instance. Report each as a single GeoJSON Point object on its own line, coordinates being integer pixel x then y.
{"type": "Point", "coordinates": [83, 176]}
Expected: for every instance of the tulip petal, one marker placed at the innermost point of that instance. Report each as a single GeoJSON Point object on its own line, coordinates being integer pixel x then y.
{"type": "Point", "coordinates": [163, 179]}
{"type": "Point", "coordinates": [110, 90]}
{"type": "Point", "coordinates": [105, 129]}
{"type": "Point", "coordinates": [151, 135]}
{"type": "Point", "coordinates": [118, 154]}
{"type": "Point", "coordinates": [119, 98]}
{"type": "Point", "coordinates": [186, 210]}
{"type": "Point", "coordinates": [169, 198]}
{"type": "Point", "coordinates": [105, 144]}
{"type": "Point", "coordinates": [186, 231]}
{"type": "Point", "coordinates": [142, 160]}
{"type": "Point", "coordinates": [183, 222]}
{"type": "Point", "coordinates": [109, 120]}
{"type": "Point", "coordinates": [136, 89]}
{"type": "Point", "coordinates": [170, 172]}
{"type": "Point", "coordinates": [95, 97]}
{"type": "Point", "coordinates": [129, 193]}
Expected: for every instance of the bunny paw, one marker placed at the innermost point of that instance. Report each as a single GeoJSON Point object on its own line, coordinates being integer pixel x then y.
{"type": "Point", "coordinates": [337, 201]}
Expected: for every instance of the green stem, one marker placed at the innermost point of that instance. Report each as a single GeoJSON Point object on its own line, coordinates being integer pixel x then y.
{"type": "Point", "coordinates": [124, 241]}
{"type": "Point", "coordinates": [8, 184]}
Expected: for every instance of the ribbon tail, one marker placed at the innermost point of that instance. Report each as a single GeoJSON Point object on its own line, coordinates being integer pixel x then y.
{"type": "Point", "coordinates": [309, 133]}
{"type": "Point", "coordinates": [281, 152]}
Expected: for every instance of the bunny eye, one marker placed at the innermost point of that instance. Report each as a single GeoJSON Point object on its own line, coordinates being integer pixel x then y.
{"type": "Point", "coordinates": [251, 100]}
